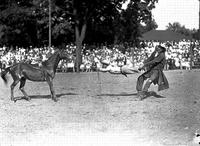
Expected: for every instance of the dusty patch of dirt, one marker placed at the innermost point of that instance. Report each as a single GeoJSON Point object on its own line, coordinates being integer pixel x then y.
{"type": "Point", "coordinates": [102, 110]}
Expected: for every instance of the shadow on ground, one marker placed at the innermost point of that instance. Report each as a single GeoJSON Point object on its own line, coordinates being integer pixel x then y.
{"type": "Point", "coordinates": [154, 94]}
{"type": "Point", "coordinates": [149, 94]}
{"type": "Point", "coordinates": [119, 94]}
{"type": "Point", "coordinates": [45, 96]}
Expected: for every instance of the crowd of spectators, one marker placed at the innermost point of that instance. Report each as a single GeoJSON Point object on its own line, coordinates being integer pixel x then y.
{"type": "Point", "coordinates": [180, 55]}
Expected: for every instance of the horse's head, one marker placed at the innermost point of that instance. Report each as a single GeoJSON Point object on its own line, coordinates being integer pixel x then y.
{"type": "Point", "coordinates": [64, 55]}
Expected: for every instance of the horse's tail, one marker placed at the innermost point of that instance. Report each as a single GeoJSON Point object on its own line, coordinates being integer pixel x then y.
{"type": "Point", "coordinates": [3, 75]}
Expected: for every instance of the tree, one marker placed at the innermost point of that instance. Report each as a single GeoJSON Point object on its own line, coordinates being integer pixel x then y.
{"type": "Point", "coordinates": [128, 26]}
{"type": "Point", "coordinates": [16, 23]}
{"type": "Point", "coordinates": [150, 25]}
{"type": "Point", "coordinates": [27, 20]}
{"type": "Point", "coordinates": [85, 11]}
{"type": "Point", "coordinates": [62, 31]}
{"type": "Point", "coordinates": [177, 27]}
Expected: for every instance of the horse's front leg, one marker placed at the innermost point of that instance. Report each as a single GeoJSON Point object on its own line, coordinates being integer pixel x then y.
{"type": "Point", "coordinates": [53, 95]}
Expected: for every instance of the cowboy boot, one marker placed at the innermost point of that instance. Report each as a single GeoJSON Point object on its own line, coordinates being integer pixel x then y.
{"type": "Point", "coordinates": [141, 95]}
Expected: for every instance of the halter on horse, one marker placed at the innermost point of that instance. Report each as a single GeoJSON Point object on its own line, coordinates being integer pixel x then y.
{"type": "Point", "coordinates": [20, 72]}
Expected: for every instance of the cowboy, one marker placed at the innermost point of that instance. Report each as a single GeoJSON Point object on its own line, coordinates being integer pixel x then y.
{"type": "Point", "coordinates": [153, 67]}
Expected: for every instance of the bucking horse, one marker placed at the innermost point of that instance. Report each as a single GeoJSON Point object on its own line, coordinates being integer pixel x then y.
{"type": "Point", "coordinates": [21, 72]}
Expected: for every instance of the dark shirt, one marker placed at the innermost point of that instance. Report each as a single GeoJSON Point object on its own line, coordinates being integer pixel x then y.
{"type": "Point", "coordinates": [155, 62]}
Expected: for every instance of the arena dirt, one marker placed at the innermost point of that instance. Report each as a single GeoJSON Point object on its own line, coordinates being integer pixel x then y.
{"type": "Point", "coordinates": [102, 109]}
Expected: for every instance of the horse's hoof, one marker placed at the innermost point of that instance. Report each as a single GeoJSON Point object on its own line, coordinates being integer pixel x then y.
{"type": "Point", "coordinates": [28, 99]}
{"type": "Point", "coordinates": [55, 99]}
{"type": "Point", "coordinates": [13, 99]}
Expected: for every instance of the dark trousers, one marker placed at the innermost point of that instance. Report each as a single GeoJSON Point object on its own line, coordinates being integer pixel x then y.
{"type": "Point", "coordinates": [150, 75]}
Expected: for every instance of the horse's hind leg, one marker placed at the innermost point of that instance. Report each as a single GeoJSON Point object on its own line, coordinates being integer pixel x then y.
{"type": "Point", "coordinates": [21, 87]}
{"type": "Point", "coordinates": [15, 82]}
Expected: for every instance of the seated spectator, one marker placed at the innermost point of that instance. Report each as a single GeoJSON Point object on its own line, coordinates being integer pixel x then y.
{"type": "Point", "coordinates": [70, 65]}
{"type": "Point", "coordinates": [82, 67]}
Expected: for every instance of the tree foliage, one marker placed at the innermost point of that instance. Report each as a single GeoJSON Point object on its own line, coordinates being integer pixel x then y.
{"type": "Point", "coordinates": [16, 23]}
{"type": "Point", "coordinates": [177, 27]}
{"type": "Point", "coordinates": [150, 25]}
{"type": "Point", "coordinates": [131, 20]}
{"type": "Point", "coordinates": [25, 22]}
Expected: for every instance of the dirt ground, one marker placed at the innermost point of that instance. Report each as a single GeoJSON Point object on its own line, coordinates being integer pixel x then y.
{"type": "Point", "coordinates": [102, 109]}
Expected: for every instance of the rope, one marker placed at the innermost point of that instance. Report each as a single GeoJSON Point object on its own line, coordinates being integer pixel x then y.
{"type": "Point", "coordinates": [99, 81]}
